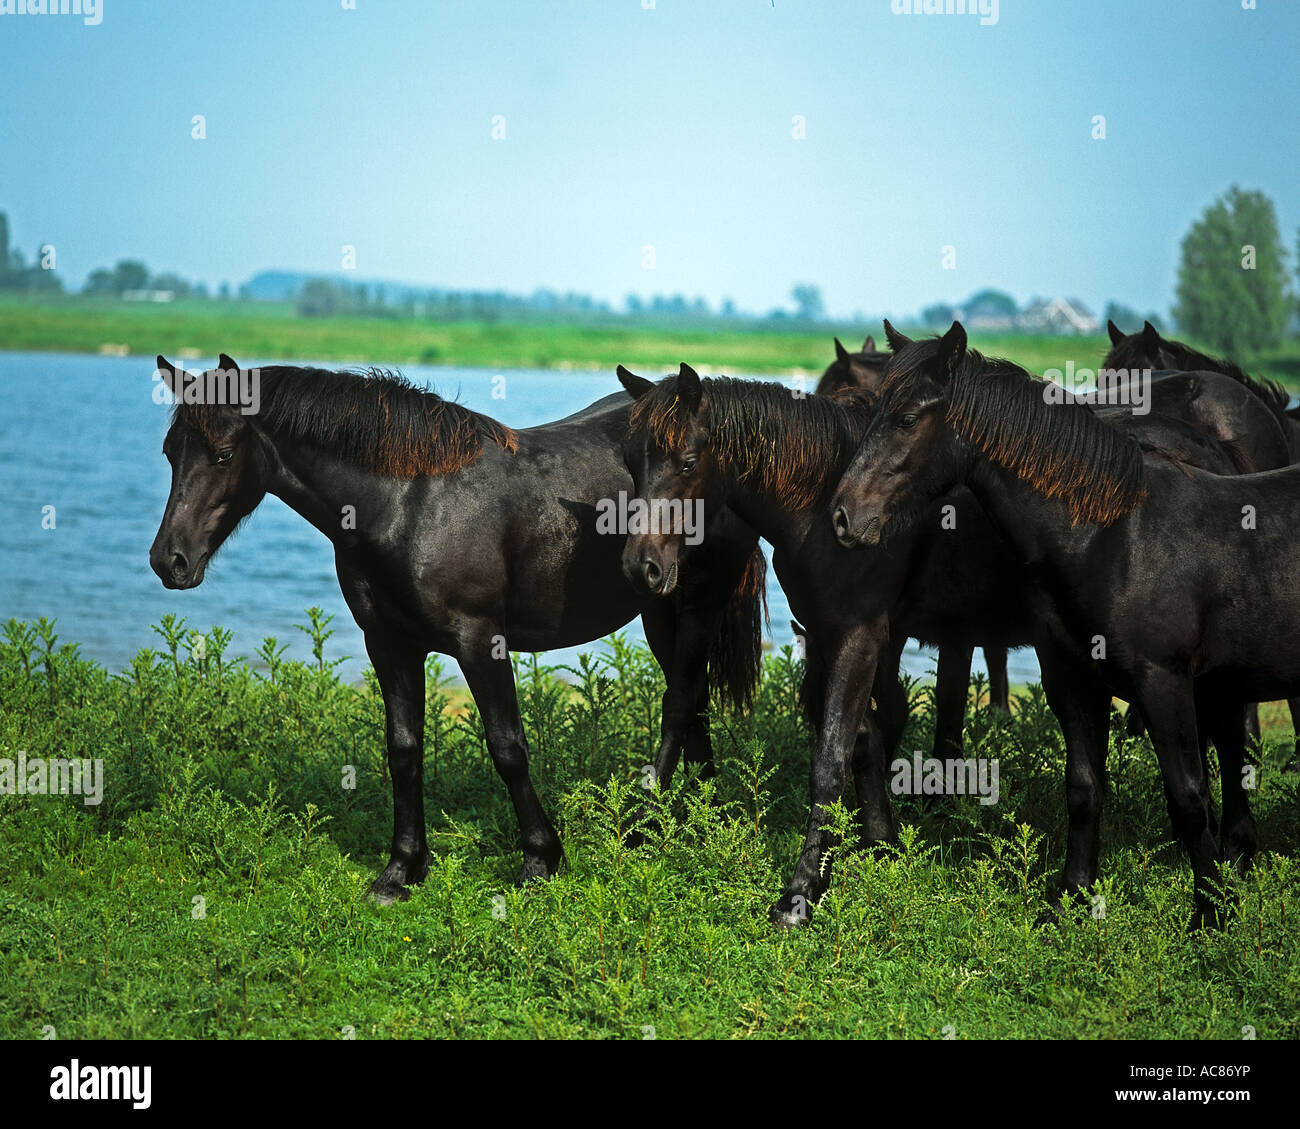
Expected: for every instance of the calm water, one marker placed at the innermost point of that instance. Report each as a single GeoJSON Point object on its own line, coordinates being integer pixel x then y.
{"type": "Point", "coordinates": [82, 434]}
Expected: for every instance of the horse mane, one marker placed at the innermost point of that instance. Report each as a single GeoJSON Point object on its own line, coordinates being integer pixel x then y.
{"type": "Point", "coordinates": [1063, 450]}
{"type": "Point", "coordinates": [372, 418]}
{"type": "Point", "coordinates": [787, 444]}
{"type": "Point", "coordinates": [1129, 354]}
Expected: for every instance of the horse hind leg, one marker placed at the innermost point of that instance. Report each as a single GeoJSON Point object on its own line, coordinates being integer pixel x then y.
{"type": "Point", "coordinates": [995, 658]}
{"type": "Point", "coordinates": [1238, 837]}
{"type": "Point", "coordinates": [1294, 705]}
{"type": "Point", "coordinates": [492, 682]}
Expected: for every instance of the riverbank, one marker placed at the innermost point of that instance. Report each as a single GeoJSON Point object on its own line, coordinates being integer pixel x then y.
{"type": "Point", "coordinates": [273, 330]}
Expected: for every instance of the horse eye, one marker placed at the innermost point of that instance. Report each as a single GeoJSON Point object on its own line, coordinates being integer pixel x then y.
{"type": "Point", "coordinates": [689, 465]}
{"type": "Point", "coordinates": [225, 455]}
{"type": "Point", "coordinates": [908, 420]}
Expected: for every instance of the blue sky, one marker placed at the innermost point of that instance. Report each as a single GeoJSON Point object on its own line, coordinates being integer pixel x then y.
{"type": "Point", "coordinates": [669, 127]}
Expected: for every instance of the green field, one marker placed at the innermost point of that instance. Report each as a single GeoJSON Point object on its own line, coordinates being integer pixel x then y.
{"type": "Point", "coordinates": [219, 889]}
{"type": "Point", "coordinates": [269, 330]}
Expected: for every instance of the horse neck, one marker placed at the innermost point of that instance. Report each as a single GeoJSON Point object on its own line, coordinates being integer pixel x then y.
{"type": "Point", "coordinates": [764, 508]}
{"type": "Point", "coordinates": [317, 485]}
{"type": "Point", "coordinates": [1039, 527]}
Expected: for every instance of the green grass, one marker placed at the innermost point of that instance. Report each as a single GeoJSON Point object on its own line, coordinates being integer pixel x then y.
{"type": "Point", "coordinates": [219, 890]}
{"type": "Point", "coordinates": [267, 330]}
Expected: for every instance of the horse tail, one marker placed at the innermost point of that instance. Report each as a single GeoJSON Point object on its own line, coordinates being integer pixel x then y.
{"type": "Point", "coordinates": [736, 652]}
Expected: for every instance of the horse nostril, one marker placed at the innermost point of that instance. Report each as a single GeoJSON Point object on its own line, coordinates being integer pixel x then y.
{"type": "Point", "coordinates": [841, 520]}
{"type": "Point", "coordinates": [179, 564]}
{"type": "Point", "coordinates": [653, 574]}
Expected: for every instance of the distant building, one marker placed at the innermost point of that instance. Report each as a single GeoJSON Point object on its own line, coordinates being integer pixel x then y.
{"type": "Point", "coordinates": [1059, 315]}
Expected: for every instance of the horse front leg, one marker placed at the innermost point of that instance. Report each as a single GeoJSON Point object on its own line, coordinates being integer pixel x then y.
{"type": "Point", "coordinates": [877, 740]}
{"type": "Point", "coordinates": [679, 639]}
{"type": "Point", "coordinates": [492, 682]}
{"type": "Point", "coordinates": [400, 671]}
{"type": "Point", "coordinates": [1082, 707]}
{"type": "Point", "coordinates": [850, 671]}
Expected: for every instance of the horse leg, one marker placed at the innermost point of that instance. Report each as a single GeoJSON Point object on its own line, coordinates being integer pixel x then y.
{"type": "Point", "coordinates": [400, 672]}
{"type": "Point", "coordinates": [1135, 724]}
{"type": "Point", "coordinates": [680, 644]}
{"type": "Point", "coordinates": [492, 682]}
{"type": "Point", "coordinates": [952, 688]}
{"type": "Point", "coordinates": [874, 746]}
{"type": "Point", "coordinates": [1082, 706]}
{"type": "Point", "coordinates": [1294, 705]}
{"type": "Point", "coordinates": [850, 672]}
{"type": "Point", "coordinates": [1170, 708]}
{"type": "Point", "coordinates": [995, 658]}
{"type": "Point", "coordinates": [1237, 834]}
{"type": "Point", "coordinates": [1252, 723]}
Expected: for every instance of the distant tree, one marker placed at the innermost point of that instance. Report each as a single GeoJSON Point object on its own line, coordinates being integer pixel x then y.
{"type": "Point", "coordinates": [130, 274]}
{"type": "Point", "coordinates": [940, 315]}
{"type": "Point", "coordinates": [172, 282]}
{"type": "Point", "coordinates": [99, 282]}
{"type": "Point", "coordinates": [808, 302]}
{"type": "Point", "coordinates": [1232, 280]}
{"type": "Point", "coordinates": [318, 298]}
{"type": "Point", "coordinates": [996, 302]}
{"type": "Point", "coordinates": [728, 308]}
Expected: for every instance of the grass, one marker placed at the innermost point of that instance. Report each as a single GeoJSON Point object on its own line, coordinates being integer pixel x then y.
{"type": "Point", "coordinates": [269, 330]}
{"type": "Point", "coordinates": [219, 890]}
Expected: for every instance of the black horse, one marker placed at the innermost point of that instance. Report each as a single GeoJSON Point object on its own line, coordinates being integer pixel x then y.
{"type": "Point", "coordinates": [775, 458]}
{"type": "Point", "coordinates": [865, 371]}
{"type": "Point", "coordinates": [454, 533]}
{"type": "Point", "coordinates": [1148, 348]}
{"type": "Point", "coordinates": [1153, 581]}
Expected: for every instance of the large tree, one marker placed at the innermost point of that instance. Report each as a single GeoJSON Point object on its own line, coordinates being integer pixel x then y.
{"type": "Point", "coordinates": [1232, 280]}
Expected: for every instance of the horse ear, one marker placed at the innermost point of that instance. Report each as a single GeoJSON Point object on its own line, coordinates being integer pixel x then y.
{"type": "Point", "coordinates": [896, 340]}
{"type": "Point", "coordinates": [689, 388]}
{"type": "Point", "coordinates": [1150, 335]}
{"type": "Point", "coordinates": [841, 353]}
{"type": "Point", "coordinates": [637, 386]}
{"type": "Point", "coordinates": [171, 375]}
{"type": "Point", "coordinates": [952, 348]}
{"type": "Point", "coordinates": [869, 345]}
{"type": "Point", "coordinates": [1116, 334]}
{"type": "Point", "coordinates": [227, 364]}
{"type": "Point", "coordinates": [799, 629]}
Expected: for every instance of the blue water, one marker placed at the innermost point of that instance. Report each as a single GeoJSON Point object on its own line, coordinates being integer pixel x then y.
{"type": "Point", "coordinates": [83, 434]}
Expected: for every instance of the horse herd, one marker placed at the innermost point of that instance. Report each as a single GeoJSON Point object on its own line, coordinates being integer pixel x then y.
{"type": "Point", "coordinates": [921, 492]}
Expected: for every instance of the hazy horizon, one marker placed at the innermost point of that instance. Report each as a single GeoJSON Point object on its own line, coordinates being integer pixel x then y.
{"type": "Point", "coordinates": [670, 127]}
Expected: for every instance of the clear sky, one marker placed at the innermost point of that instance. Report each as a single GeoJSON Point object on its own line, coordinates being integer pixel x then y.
{"type": "Point", "coordinates": [670, 127]}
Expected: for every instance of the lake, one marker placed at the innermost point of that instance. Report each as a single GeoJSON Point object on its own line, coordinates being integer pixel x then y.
{"type": "Point", "coordinates": [82, 434]}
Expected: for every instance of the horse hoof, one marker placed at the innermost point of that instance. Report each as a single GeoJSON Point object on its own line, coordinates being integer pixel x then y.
{"type": "Point", "coordinates": [535, 868]}
{"type": "Point", "coordinates": [1047, 918]}
{"type": "Point", "coordinates": [791, 912]}
{"type": "Point", "coordinates": [385, 894]}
